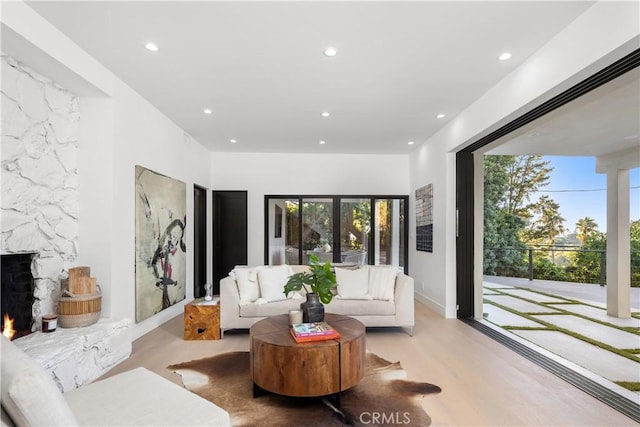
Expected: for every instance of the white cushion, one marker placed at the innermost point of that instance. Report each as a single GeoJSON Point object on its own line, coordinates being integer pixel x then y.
{"type": "Point", "coordinates": [30, 396]}
{"type": "Point", "coordinates": [353, 284]}
{"type": "Point", "coordinates": [140, 397]}
{"type": "Point", "coordinates": [382, 281]}
{"type": "Point", "coordinates": [247, 281]}
{"type": "Point", "coordinates": [272, 281]}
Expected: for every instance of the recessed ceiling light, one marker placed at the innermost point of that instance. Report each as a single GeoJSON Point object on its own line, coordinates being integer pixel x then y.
{"type": "Point", "coordinates": [233, 141]}
{"type": "Point", "coordinates": [322, 142]}
{"type": "Point", "coordinates": [330, 51]}
{"type": "Point", "coordinates": [504, 56]}
{"type": "Point", "coordinates": [410, 143]}
{"type": "Point", "coordinates": [207, 111]}
{"type": "Point", "coordinates": [630, 137]}
{"type": "Point", "coordinates": [325, 114]}
{"type": "Point", "coordinates": [152, 47]}
{"type": "Point", "coordinates": [440, 116]}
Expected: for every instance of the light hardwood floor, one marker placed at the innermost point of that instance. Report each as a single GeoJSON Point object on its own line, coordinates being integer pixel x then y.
{"type": "Point", "coordinates": [483, 382]}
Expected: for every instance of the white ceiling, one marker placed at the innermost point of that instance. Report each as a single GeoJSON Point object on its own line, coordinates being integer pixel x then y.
{"type": "Point", "coordinates": [605, 120]}
{"type": "Point", "coordinates": [260, 65]}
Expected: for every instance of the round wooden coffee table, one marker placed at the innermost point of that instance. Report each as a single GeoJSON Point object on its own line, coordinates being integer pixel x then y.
{"type": "Point", "coordinates": [282, 366]}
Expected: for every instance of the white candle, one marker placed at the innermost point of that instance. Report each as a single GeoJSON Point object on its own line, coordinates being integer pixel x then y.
{"type": "Point", "coordinates": [295, 317]}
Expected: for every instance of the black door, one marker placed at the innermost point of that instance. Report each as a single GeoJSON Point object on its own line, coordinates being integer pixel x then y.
{"type": "Point", "coordinates": [229, 233]}
{"type": "Point", "coordinates": [199, 240]}
{"type": "Point", "coordinates": [465, 235]}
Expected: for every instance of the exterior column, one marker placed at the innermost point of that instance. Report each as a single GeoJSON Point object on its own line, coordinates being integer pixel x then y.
{"type": "Point", "coordinates": [618, 244]}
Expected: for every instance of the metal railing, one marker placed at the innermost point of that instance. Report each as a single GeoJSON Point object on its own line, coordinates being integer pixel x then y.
{"type": "Point", "coordinates": [559, 266]}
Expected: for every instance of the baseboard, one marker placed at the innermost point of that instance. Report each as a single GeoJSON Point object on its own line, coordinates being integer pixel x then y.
{"type": "Point", "coordinates": [431, 304]}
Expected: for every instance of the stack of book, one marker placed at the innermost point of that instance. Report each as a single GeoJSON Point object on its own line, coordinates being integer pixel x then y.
{"type": "Point", "coordinates": [316, 331]}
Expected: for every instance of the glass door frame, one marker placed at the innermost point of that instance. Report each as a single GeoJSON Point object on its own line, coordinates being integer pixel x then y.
{"type": "Point", "coordinates": [336, 223]}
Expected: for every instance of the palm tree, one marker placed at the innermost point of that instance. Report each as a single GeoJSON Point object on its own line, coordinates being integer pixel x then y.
{"type": "Point", "coordinates": [584, 228]}
{"type": "Point", "coordinates": [550, 222]}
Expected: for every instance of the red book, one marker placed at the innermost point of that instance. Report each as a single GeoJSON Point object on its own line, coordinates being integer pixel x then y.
{"type": "Point", "coordinates": [311, 338]}
{"type": "Point", "coordinates": [317, 331]}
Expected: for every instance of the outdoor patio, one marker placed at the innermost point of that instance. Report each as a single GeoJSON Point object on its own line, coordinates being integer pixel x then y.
{"type": "Point", "coordinates": [569, 321]}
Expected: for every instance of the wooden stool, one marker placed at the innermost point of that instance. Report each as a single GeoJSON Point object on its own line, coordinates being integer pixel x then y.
{"type": "Point", "coordinates": [201, 321]}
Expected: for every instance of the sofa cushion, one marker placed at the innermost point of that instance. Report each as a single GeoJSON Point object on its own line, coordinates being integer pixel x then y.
{"type": "Point", "coordinates": [247, 281]}
{"type": "Point", "coordinates": [140, 397]}
{"type": "Point", "coordinates": [30, 396]}
{"type": "Point", "coordinates": [272, 281]}
{"type": "Point", "coordinates": [270, 309]}
{"type": "Point", "coordinates": [352, 284]}
{"type": "Point", "coordinates": [382, 281]}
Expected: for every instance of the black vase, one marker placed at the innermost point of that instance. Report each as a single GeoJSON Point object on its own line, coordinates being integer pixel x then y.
{"type": "Point", "coordinates": [312, 309]}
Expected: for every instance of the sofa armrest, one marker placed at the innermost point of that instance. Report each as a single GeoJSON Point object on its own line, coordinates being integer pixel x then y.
{"type": "Point", "coordinates": [28, 392]}
{"type": "Point", "coordinates": [229, 303]}
{"type": "Point", "coordinates": [404, 300]}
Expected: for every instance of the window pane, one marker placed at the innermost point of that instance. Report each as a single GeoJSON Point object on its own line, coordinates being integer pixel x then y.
{"type": "Point", "coordinates": [389, 232]}
{"type": "Point", "coordinates": [317, 229]}
{"type": "Point", "coordinates": [283, 232]}
{"type": "Point", "coordinates": [355, 228]}
{"type": "Point", "coordinates": [292, 235]}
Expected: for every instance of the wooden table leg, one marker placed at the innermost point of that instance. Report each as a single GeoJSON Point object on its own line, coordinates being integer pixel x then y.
{"type": "Point", "coordinates": [258, 391]}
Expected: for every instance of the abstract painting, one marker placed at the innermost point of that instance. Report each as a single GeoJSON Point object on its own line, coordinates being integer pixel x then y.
{"type": "Point", "coordinates": [161, 206]}
{"type": "Point", "coordinates": [424, 218]}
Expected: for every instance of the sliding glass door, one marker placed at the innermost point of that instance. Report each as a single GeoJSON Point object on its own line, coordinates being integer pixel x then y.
{"type": "Point", "coordinates": [390, 232]}
{"type": "Point", "coordinates": [355, 230]}
{"type": "Point", "coordinates": [344, 230]}
{"type": "Point", "coordinates": [317, 229]}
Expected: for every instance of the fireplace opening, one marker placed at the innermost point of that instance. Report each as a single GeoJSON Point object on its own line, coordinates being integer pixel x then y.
{"type": "Point", "coordinates": [16, 293]}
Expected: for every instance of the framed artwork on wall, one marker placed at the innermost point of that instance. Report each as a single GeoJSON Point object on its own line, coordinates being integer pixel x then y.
{"type": "Point", "coordinates": [424, 218]}
{"type": "Point", "coordinates": [160, 220]}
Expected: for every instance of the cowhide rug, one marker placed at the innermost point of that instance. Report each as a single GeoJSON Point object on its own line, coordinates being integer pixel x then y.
{"type": "Point", "coordinates": [383, 397]}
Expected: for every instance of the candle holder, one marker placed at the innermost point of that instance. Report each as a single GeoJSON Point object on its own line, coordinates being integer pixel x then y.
{"type": "Point", "coordinates": [295, 317]}
{"type": "Point", "coordinates": [49, 322]}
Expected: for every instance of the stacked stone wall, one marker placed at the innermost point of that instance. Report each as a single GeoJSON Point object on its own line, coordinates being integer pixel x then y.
{"type": "Point", "coordinates": [39, 204]}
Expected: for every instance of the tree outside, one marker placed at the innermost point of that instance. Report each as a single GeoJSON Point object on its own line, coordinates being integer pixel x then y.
{"type": "Point", "coordinates": [514, 223]}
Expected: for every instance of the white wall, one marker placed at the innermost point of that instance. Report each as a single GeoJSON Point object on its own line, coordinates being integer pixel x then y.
{"type": "Point", "coordinates": [604, 33]}
{"type": "Point", "coordinates": [117, 132]}
{"type": "Point", "coordinates": [304, 174]}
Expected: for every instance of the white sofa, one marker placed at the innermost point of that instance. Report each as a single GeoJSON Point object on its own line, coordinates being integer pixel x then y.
{"type": "Point", "coordinates": [139, 397]}
{"type": "Point", "coordinates": [375, 295]}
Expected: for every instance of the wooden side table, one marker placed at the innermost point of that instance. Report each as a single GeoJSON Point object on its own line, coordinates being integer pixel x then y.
{"type": "Point", "coordinates": [201, 321]}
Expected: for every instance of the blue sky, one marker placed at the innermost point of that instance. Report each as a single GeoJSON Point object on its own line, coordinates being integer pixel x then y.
{"type": "Point", "coordinates": [578, 174]}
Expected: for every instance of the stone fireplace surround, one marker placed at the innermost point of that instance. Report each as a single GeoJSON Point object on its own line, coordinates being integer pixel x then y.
{"type": "Point", "coordinates": [39, 205]}
{"type": "Point", "coordinates": [39, 215]}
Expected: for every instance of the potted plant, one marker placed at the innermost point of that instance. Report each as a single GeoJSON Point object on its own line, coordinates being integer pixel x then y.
{"type": "Point", "coordinates": [319, 284]}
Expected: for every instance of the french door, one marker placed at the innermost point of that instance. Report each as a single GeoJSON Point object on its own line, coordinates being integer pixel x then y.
{"type": "Point", "coordinates": [339, 229]}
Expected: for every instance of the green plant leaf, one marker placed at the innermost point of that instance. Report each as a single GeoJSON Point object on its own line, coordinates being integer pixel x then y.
{"type": "Point", "coordinates": [320, 280]}
{"type": "Point", "coordinates": [295, 283]}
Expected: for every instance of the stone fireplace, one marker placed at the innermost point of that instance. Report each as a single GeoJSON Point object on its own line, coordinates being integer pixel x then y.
{"type": "Point", "coordinates": [17, 292]}
{"type": "Point", "coordinates": [39, 210]}
{"type": "Point", "coordinates": [39, 203]}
